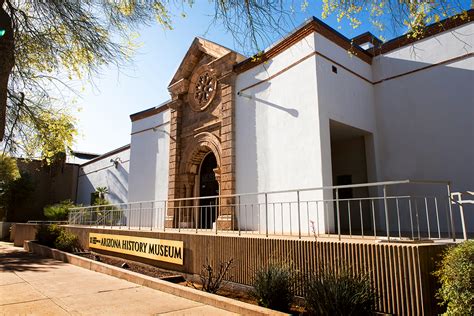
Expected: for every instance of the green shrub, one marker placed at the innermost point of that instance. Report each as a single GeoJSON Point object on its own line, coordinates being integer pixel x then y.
{"type": "Point", "coordinates": [67, 241]}
{"type": "Point", "coordinates": [330, 293]}
{"type": "Point", "coordinates": [59, 211]}
{"type": "Point", "coordinates": [47, 234]}
{"type": "Point", "coordinates": [456, 275]}
{"type": "Point", "coordinates": [273, 287]}
{"type": "Point", "coordinates": [57, 237]}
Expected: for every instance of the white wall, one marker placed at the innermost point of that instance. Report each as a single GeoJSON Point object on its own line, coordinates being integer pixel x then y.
{"type": "Point", "coordinates": [418, 126]}
{"type": "Point", "coordinates": [103, 173]}
{"type": "Point", "coordinates": [277, 136]}
{"type": "Point", "coordinates": [425, 119]}
{"type": "Point", "coordinates": [271, 125]}
{"type": "Point", "coordinates": [149, 158]}
{"type": "Point", "coordinates": [346, 98]}
{"type": "Point", "coordinates": [343, 97]}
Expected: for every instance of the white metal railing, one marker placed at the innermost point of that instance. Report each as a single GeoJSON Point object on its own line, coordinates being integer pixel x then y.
{"type": "Point", "coordinates": [462, 199]}
{"type": "Point", "coordinates": [407, 209]}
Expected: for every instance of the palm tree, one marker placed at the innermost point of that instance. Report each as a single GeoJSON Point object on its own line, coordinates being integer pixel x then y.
{"type": "Point", "coordinates": [101, 192]}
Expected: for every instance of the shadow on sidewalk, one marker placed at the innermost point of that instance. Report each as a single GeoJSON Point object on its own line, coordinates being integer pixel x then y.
{"type": "Point", "coordinates": [16, 259]}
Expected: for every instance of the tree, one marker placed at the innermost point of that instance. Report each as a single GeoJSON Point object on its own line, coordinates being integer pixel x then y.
{"type": "Point", "coordinates": [99, 196]}
{"type": "Point", "coordinates": [9, 172]}
{"type": "Point", "coordinates": [45, 40]}
{"type": "Point", "coordinates": [410, 16]}
{"type": "Point", "coordinates": [101, 192]}
{"type": "Point", "coordinates": [45, 43]}
{"type": "Point", "coordinates": [6, 62]}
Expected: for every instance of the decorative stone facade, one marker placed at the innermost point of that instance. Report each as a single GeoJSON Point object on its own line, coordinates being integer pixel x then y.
{"type": "Point", "coordinates": [202, 115]}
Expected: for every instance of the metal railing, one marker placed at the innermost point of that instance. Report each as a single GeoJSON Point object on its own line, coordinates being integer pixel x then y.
{"type": "Point", "coordinates": [463, 200]}
{"type": "Point", "coordinates": [48, 222]}
{"type": "Point", "coordinates": [401, 210]}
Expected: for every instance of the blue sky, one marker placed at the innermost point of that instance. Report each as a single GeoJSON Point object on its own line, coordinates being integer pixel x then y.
{"type": "Point", "coordinates": [104, 122]}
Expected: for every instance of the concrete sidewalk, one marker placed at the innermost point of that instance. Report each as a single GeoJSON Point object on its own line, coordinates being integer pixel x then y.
{"type": "Point", "coordinates": [32, 285]}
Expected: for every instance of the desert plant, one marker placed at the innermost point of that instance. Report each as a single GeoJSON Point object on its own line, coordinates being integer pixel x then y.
{"type": "Point", "coordinates": [47, 234]}
{"type": "Point", "coordinates": [456, 274]}
{"type": "Point", "coordinates": [101, 192]}
{"type": "Point", "coordinates": [98, 196]}
{"type": "Point", "coordinates": [273, 286]}
{"type": "Point", "coordinates": [339, 293]}
{"type": "Point", "coordinates": [59, 211]}
{"type": "Point", "coordinates": [105, 213]}
{"type": "Point", "coordinates": [67, 241]}
{"type": "Point", "coordinates": [213, 279]}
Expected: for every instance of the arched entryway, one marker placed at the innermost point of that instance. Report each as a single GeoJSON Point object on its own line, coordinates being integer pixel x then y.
{"type": "Point", "coordinates": [208, 186]}
{"type": "Point", "coordinates": [199, 175]}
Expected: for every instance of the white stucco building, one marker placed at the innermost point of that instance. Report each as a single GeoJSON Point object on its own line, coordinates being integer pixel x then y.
{"type": "Point", "coordinates": [109, 170]}
{"type": "Point", "coordinates": [315, 110]}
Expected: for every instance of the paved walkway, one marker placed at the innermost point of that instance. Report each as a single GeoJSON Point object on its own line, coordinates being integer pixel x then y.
{"type": "Point", "coordinates": [32, 285]}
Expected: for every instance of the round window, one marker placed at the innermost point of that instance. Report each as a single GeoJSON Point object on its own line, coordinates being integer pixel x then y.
{"type": "Point", "coordinates": [202, 88]}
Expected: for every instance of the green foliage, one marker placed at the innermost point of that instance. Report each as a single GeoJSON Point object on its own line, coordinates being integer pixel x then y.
{"type": "Point", "coordinates": [98, 196]}
{"type": "Point", "coordinates": [273, 286]}
{"type": "Point", "coordinates": [57, 237]}
{"type": "Point", "coordinates": [8, 170]}
{"type": "Point", "coordinates": [47, 234]}
{"type": "Point", "coordinates": [101, 192]}
{"type": "Point", "coordinates": [59, 211]}
{"type": "Point", "coordinates": [52, 43]}
{"type": "Point", "coordinates": [8, 174]}
{"type": "Point", "coordinates": [104, 212]}
{"type": "Point", "coordinates": [98, 201]}
{"type": "Point", "coordinates": [414, 15]}
{"type": "Point", "coordinates": [456, 275]}
{"type": "Point", "coordinates": [67, 241]}
{"type": "Point", "coordinates": [53, 135]}
{"type": "Point", "coordinates": [15, 186]}
{"type": "Point", "coordinates": [343, 293]}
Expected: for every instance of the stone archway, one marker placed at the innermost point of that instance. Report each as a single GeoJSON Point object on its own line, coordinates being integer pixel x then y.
{"type": "Point", "coordinates": [193, 156]}
{"type": "Point", "coordinates": [202, 121]}
{"type": "Point", "coordinates": [196, 151]}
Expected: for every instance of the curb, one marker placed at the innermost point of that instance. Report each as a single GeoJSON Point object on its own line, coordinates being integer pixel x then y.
{"type": "Point", "coordinates": [157, 284]}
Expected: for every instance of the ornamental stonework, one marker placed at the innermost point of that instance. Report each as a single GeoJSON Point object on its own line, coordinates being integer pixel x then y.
{"type": "Point", "coordinates": [202, 88]}
{"type": "Point", "coordinates": [201, 123]}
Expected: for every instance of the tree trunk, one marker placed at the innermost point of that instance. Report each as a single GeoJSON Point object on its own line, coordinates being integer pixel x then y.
{"type": "Point", "coordinates": [7, 60]}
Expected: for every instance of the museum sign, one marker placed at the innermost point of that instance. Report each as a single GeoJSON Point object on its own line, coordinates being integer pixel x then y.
{"type": "Point", "coordinates": [156, 249]}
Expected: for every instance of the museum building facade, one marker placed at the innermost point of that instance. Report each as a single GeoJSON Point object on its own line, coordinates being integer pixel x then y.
{"type": "Point", "coordinates": [314, 110]}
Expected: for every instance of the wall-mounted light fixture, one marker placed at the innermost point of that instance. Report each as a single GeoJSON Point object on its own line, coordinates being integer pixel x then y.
{"type": "Point", "coordinates": [241, 94]}
{"type": "Point", "coordinates": [116, 162]}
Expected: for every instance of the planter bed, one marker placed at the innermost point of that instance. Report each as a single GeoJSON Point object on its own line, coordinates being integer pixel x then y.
{"type": "Point", "coordinates": [133, 266]}
{"type": "Point", "coordinates": [230, 290]}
